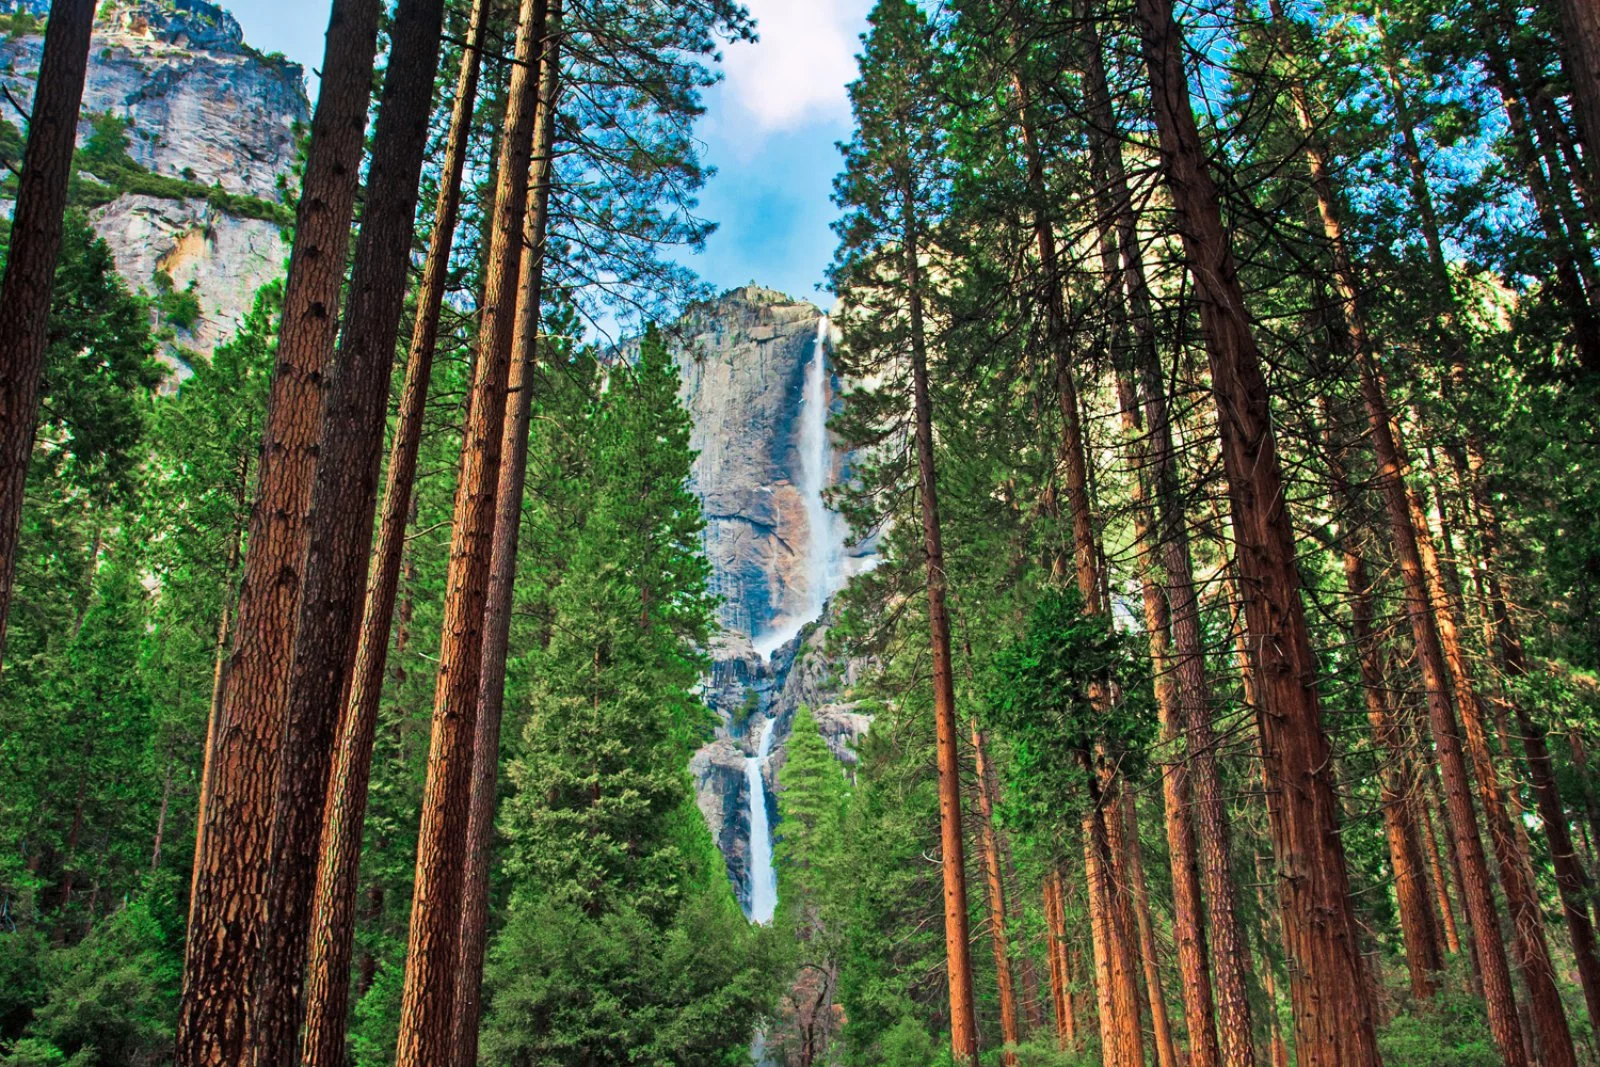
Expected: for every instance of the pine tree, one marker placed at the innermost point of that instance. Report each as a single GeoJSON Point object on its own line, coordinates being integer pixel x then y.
{"type": "Point", "coordinates": [34, 246]}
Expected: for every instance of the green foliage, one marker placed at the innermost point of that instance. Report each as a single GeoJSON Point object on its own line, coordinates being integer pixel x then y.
{"type": "Point", "coordinates": [1452, 1031]}
{"type": "Point", "coordinates": [112, 998]}
{"type": "Point", "coordinates": [180, 307]}
{"type": "Point", "coordinates": [105, 157]}
{"type": "Point", "coordinates": [907, 1044]}
{"type": "Point", "coordinates": [1069, 694]}
{"type": "Point", "coordinates": [623, 943]}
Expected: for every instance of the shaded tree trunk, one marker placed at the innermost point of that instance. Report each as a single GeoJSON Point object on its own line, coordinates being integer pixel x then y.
{"type": "Point", "coordinates": [333, 918]}
{"type": "Point", "coordinates": [1333, 1013]}
{"type": "Point", "coordinates": [340, 519]}
{"type": "Point", "coordinates": [1166, 1048]}
{"type": "Point", "coordinates": [228, 913]}
{"type": "Point", "coordinates": [1548, 1017]}
{"type": "Point", "coordinates": [30, 271]}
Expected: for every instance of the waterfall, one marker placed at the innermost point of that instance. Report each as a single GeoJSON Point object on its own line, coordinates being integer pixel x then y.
{"type": "Point", "coordinates": [763, 879]}
{"type": "Point", "coordinates": [826, 532]}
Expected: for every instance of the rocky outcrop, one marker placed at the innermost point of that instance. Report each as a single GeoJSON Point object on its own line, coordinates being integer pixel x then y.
{"type": "Point", "coordinates": [743, 358]}
{"type": "Point", "coordinates": [204, 111]}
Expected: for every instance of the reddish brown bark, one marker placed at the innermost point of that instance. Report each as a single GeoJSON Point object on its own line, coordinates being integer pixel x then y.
{"type": "Point", "coordinates": [228, 913]}
{"type": "Point", "coordinates": [503, 565]}
{"type": "Point", "coordinates": [1061, 997]}
{"type": "Point", "coordinates": [1333, 1013]}
{"type": "Point", "coordinates": [333, 917]}
{"type": "Point", "coordinates": [1188, 925]}
{"type": "Point", "coordinates": [1166, 1048]}
{"type": "Point", "coordinates": [1441, 885]}
{"type": "Point", "coordinates": [433, 951]}
{"type": "Point", "coordinates": [1581, 21]}
{"type": "Point", "coordinates": [339, 522]}
{"type": "Point", "coordinates": [30, 270]}
{"type": "Point", "coordinates": [1422, 953]}
{"type": "Point", "coordinates": [1547, 1016]}
{"type": "Point", "coordinates": [999, 935]}
{"type": "Point", "coordinates": [219, 660]}
{"type": "Point", "coordinates": [1116, 987]}
{"type": "Point", "coordinates": [963, 1022]}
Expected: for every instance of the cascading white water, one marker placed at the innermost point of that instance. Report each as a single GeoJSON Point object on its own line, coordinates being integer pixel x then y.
{"type": "Point", "coordinates": [826, 532]}
{"type": "Point", "coordinates": [763, 879]}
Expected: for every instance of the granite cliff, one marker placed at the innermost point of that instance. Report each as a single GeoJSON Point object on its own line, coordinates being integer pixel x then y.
{"type": "Point", "coordinates": [211, 128]}
{"type": "Point", "coordinates": [759, 402]}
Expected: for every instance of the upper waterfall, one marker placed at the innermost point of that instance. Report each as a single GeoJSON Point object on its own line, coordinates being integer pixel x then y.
{"type": "Point", "coordinates": [826, 533]}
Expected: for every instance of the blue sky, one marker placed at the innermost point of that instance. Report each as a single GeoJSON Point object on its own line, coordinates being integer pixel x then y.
{"type": "Point", "coordinates": [770, 130]}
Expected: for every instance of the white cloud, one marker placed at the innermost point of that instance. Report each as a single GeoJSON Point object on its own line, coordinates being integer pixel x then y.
{"type": "Point", "coordinates": [798, 71]}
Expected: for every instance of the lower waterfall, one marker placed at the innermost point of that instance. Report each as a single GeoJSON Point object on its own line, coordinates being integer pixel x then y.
{"type": "Point", "coordinates": [763, 879]}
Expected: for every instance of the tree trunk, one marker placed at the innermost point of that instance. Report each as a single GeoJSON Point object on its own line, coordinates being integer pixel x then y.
{"type": "Point", "coordinates": [228, 913]}
{"type": "Point", "coordinates": [340, 519]}
{"type": "Point", "coordinates": [30, 270]}
{"type": "Point", "coordinates": [1116, 988]}
{"type": "Point", "coordinates": [219, 670]}
{"type": "Point", "coordinates": [963, 1022]}
{"type": "Point", "coordinates": [433, 951]}
{"type": "Point", "coordinates": [1055, 921]}
{"type": "Point", "coordinates": [1278, 1050]}
{"type": "Point", "coordinates": [503, 565]}
{"type": "Point", "coordinates": [1527, 916]}
{"type": "Point", "coordinates": [989, 841]}
{"type": "Point", "coordinates": [1424, 955]}
{"type": "Point", "coordinates": [333, 919]}
{"type": "Point", "coordinates": [1188, 924]}
{"type": "Point", "coordinates": [1580, 19]}
{"type": "Point", "coordinates": [1166, 1048]}
{"type": "Point", "coordinates": [1333, 1013]}
{"type": "Point", "coordinates": [1441, 884]}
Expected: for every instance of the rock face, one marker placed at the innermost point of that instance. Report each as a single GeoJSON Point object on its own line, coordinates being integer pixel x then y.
{"type": "Point", "coordinates": [744, 358]}
{"type": "Point", "coordinates": [199, 105]}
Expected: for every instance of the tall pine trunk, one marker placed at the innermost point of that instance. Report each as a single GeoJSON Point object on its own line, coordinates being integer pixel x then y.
{"type": "Point", "coordinates": [30, 271]}
{"type": "Point", "coordinates": [433, 947]}
{"type": "Point", "coordinates": [999, 935]}
{"type": "Point", "coordinates": [228, 913]}
{"type": "Point", "coordinates": [340, 519]}
{"type": "Point", "coordinates": [1547, 1015]}
{"type": "Point", "coordinates": [1118, 950]}
{"type": "Point", "coordinates": [1236, 1047]}
{"type": "Point", "coordinates": [958, 959]}
{"type": "Point", "coordinates": [1333, 1011]}
{"type": "Point", "coordinates": [1150, 957]}
{"type": "Point", "coordinates": [1581, 21]}
{"type": "Point", "coordinates": [503, 565]}
{"type": "Point", "coordinates": [1061, 994]}
{"type": "Point", "coordinates": [333, 915]}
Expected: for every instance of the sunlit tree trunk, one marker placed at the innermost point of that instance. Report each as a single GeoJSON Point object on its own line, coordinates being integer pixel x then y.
{"type": "Point", "coordinates": [339, 523]}
{"type": "Point", "coordinates": [433, 945]}
{"type": "Point", "coordinates": [503, 568]}
{"type": "Point", "coordinates": [999, 936]}
{"type": "Point", "coordinates": [1333, 1013]}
